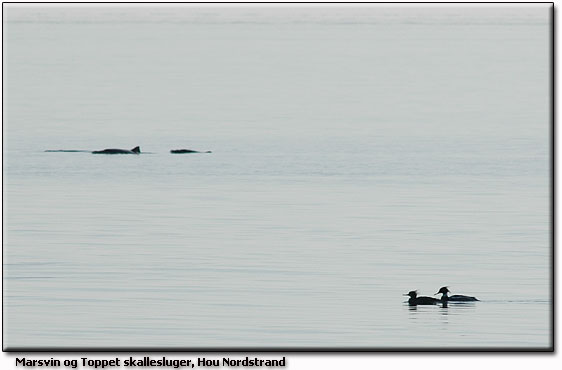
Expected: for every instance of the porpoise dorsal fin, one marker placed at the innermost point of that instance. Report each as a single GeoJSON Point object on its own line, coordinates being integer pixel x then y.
{"type": "Point", "coordinates": [136, 149]}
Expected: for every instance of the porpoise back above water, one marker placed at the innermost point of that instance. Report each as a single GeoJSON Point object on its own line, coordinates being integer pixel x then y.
{"type": "Point", "coordinates": [185, 151]}
{"type": "Point", "coordinates": [135, 150]}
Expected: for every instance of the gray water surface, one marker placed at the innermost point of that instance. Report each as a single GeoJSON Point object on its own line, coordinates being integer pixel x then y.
{"type": "Point", "coordinates": [358, 153]}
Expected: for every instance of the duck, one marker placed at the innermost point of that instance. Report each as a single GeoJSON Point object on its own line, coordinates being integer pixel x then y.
{"type": "Point", "coordinates": [454, 298]}
{"type": "Point", "coordinates": [415, 300]}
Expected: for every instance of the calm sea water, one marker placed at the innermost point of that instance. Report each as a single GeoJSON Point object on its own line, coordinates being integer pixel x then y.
{"type": "Point", "coordinates": [358, 153]}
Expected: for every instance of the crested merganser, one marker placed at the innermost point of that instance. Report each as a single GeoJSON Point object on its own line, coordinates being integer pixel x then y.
{"type": "Point", "coordinates": [454, 298]}
{"type": "Point", "coordinates": [415, 300]}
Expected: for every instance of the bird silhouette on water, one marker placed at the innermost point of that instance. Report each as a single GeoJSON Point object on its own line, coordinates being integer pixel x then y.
{"type": "Point", "coordinates": [415, 300]}
{"type": "Point", "coordinates": [454, 298]}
